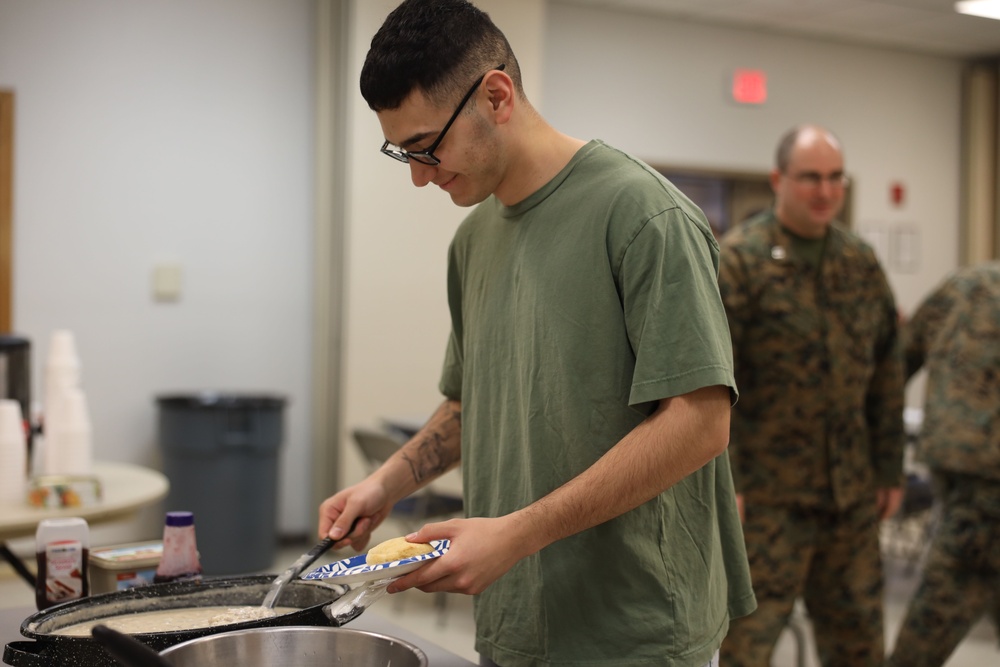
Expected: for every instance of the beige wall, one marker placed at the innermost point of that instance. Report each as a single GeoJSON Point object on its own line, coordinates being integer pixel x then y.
{"type": "Point", "coordinates": [132, 151]}
{"type": "Point", "coordinates": [175, 132]}
{"type": "Point", "coordinates": [398, 236]}
{"type": "Point", "coordinates": [657, 88]}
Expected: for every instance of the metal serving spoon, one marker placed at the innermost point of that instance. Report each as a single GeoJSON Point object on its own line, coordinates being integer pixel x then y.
{"type": "Point", "coordinates": [304, 561]}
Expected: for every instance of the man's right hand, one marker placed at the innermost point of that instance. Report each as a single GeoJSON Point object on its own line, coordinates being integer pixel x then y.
{"type": "Point", "coordinates": [365, 501]}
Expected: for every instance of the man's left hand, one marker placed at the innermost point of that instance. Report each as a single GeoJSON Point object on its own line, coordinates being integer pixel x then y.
{"type": "Point", "coordinates": [481, 551]}
{"type": "Point", "coordinates": [889, 500]}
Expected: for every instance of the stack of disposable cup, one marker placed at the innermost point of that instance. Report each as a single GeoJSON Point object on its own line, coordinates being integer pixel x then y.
{"type": "Point", "coordinates": [68, 447]}
{"type": "Point", "coordinates": [13, 454]}
{"type": "Point", "coordinates": [62, 367]}
{"type": "Point", "coordinates": [68, 450]}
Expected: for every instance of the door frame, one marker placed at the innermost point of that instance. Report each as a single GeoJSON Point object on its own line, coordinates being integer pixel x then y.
{"type": "Point", "coordinates": [333, 19]}
{"type": "Point", "coordinates": [6, 207]}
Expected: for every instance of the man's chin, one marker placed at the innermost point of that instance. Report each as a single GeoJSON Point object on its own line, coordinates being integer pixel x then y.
{"type": "Point", "coordinates": [465, 200]}
{"type": "Point", "coordinates": [821, 221]}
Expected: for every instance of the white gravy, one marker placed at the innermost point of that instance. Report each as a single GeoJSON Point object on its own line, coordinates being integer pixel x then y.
{"type": "Point", "coordinates": [171, 620]}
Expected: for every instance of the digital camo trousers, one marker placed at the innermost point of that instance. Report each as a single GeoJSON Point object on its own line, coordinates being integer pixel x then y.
{"type": "Point", "coordinates": [829, 559]}
{"type": "Point", "coordinates": [961, 578]}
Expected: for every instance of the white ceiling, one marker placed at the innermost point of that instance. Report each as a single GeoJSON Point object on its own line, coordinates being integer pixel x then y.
{"type": "Point", "coordinates": [925, 26]}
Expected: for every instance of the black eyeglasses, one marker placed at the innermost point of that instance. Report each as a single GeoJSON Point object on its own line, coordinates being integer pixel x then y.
{"type": "Point", "coordinates": [814, 179]}
{"type": "Point", "coordinates": [427, 156]}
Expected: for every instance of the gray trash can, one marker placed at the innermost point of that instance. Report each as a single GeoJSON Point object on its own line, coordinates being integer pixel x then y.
{"type": "Point", "coordinates": [220, 453]}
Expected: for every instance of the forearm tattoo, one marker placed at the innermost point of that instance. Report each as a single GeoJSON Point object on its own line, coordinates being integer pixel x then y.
{"type": "Point", "coordinates": [438, 447]}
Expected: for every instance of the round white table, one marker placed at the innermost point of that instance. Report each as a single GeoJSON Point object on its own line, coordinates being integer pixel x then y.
{"type": "Point", "coordinates": [126, 488]}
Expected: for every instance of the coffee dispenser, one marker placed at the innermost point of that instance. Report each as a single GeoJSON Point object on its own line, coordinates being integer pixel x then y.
{"type": "Point", "coordinates": [15, 375]}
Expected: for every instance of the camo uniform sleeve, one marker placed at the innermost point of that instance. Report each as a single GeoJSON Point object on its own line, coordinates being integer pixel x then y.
{"type": "Point", "coordinates": [925, 324]}
{"type": "Point", "coordinates": [733, 286]}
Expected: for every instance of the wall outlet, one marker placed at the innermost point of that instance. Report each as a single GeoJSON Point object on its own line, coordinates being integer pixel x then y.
{"type": "Point", "coordinates": [167, 282]}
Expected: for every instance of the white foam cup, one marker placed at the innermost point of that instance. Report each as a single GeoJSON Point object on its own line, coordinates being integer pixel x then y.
{"type": "Point", "coordinates": [62, 348]}
{"type": "Point", "coordinates": [68, 438]}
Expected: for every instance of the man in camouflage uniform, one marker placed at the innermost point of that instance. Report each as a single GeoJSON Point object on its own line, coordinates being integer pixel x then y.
{"type": "Point", "coordinates": [956, 334]}
{"type": "Point", "coordinates": [817, 434]}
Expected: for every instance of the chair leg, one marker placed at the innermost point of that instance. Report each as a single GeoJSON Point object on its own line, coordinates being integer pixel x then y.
{"type": "Point", "coordinates": [796, 624]}
{"type": "Point", "coordinates": [440, 603]}
{"type": "Point", "coordinates": [800, 642]}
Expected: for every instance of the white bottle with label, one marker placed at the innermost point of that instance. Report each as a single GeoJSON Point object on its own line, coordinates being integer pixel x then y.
{"type": "Point", "coordinates": [62, 547]}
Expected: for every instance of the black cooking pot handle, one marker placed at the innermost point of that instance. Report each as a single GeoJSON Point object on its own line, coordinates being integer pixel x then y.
{"type": "Point", "coordinates": [127, 650]}
{"type": "Point", "coordinates": [25, 654]}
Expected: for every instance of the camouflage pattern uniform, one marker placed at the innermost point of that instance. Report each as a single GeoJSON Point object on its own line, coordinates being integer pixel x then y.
{"type": "Point", "coordinates": [817, 430]}
{"type": "Point", "coordinates": [956, 334]}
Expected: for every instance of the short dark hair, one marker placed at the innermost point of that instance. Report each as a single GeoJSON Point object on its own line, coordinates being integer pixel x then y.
{"type": "Point", "coordinates": [438, 46]}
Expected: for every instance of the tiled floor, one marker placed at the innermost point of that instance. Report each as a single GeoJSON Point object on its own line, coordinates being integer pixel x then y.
{"type": "Point", "coordinates": [452, 626]}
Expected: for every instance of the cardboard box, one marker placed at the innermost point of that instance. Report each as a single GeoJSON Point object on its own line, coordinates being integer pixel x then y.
{"type": "Point", "coordinates": [124, 566]}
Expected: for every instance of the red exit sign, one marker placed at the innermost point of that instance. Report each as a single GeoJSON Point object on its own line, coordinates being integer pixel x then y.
{"type": "Point", "coordinates": [749, 86]}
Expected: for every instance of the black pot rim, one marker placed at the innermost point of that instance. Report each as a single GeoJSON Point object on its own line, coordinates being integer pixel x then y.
{"type": "Point", "coordinates": [173, 590]}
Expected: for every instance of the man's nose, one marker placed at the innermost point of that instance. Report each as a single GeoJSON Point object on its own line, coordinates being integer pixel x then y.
{"type": "Point", "coordinates": [421, 174]}
{"type": "Point", "coordinates": [826, 186]}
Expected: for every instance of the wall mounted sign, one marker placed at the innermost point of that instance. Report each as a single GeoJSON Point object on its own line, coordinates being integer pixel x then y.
{"type": "Point", "coordinates": [749, 86]}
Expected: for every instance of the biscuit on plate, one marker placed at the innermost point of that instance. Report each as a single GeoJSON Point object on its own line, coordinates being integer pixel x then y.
{"type": "Point", "coordinates": [395, 549]}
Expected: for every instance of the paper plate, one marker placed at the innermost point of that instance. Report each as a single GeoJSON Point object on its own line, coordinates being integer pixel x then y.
{"type": "Point", "coordinates": [355, 570]}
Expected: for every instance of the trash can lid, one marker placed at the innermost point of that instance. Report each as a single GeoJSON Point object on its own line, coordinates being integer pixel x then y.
{"type": "Point", "coordinates": [219, 400]}
{"type": "Point", "coordinates": [8, 341]}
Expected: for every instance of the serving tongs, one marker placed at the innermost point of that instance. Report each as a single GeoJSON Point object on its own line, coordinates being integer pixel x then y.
{"type": "Point", "coordinates": [303, 561]}
{"type": "Point", "coordinates": [344, 609]}
{"type": "Point", "coordinates": [352, 604]}
{"type": "Point", "coordinates": [374, 581]}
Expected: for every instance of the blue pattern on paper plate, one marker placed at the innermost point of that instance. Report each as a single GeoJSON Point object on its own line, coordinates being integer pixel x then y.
{"type": "Point", "coordinates": [353, 567]}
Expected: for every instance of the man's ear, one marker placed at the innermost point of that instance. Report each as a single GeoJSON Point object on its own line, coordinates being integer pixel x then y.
{"type": "Point", "coordinates": [775, 179]}
{"type": "Point", "coordinates": [501, 95]}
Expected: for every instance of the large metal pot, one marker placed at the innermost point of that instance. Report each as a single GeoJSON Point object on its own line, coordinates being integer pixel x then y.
{"type": "Point", "coordinates": [296, 647]}
{"type": "Point", "coordinates": [51, 650]}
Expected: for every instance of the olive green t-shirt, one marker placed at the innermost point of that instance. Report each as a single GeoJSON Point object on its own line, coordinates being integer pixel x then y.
{"type": "Point", "coordinates": [809, 251]}
{"type": "Point", "coordinates": [574, 312]}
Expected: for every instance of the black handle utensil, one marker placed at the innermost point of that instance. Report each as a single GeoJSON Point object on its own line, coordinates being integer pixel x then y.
{"type": "Point", "coordinates": [126, 650]}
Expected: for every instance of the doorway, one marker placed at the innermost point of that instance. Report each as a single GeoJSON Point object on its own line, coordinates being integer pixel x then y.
{"type": "Point", "coordinates": [729, 197]}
